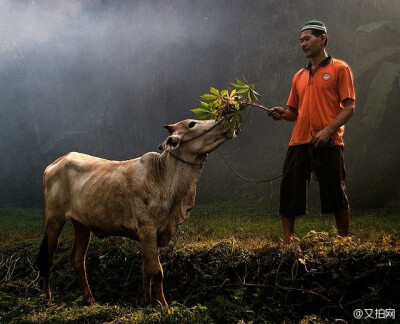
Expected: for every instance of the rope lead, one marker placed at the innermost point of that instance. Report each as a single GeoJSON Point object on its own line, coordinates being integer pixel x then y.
{"type": "Point", "coordinates": [265, 180]}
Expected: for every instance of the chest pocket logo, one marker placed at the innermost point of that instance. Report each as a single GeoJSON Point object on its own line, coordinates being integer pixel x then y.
{"type": "Point", "coordinates": [326, 77]}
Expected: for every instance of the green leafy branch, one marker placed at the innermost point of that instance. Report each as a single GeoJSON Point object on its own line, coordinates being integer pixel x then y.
{"type": "Point", "coordinates": [226, 105]}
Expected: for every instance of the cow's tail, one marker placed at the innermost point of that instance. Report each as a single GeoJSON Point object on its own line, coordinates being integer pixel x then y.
{"type": "Point", "coordinates": [42, 261]}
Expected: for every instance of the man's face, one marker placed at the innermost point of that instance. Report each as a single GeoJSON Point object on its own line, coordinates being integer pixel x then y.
{"type": "Point", "coordinates": [310, 44]}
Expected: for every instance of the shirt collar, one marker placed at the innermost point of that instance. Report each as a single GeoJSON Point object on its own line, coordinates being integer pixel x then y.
{"type": "Point", "coordinates": [324, 62]}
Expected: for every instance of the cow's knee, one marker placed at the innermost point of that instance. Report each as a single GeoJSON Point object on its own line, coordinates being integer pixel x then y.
{"type": "Point", "coordinates": [153, 271]}
{"type": "Point", "coordinates": [158, 276]}
{"type": "Point", "coordinates": [78, 262]}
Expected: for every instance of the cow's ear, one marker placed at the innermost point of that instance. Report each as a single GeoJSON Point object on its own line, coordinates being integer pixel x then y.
{"type": "Point", "coordinates": [170, 128]}
{"type": "Point", "coordinates": [171, 143]}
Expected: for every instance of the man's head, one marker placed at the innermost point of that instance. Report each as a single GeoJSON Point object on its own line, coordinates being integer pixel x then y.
{"type": "Point", "coordinates": [313, 38]}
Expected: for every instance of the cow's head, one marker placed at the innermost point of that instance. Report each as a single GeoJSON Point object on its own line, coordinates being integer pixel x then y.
{"type": "Point", "coordinates": [197, 137]}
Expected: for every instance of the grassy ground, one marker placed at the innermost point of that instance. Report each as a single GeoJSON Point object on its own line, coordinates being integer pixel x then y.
{"type": "Point", "coordinates": [224, 220]}
{"type": "Point", "coordinates": [226, 264]}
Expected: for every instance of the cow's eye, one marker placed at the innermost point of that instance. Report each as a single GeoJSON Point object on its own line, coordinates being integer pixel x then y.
{"type": "Point", "coordinates": [191, 124]}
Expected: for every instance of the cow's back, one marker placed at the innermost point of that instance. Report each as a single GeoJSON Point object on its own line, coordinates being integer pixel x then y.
{"type": "Point", "coordinates": [95, 192]}
{"type": "Point", "coordinates": [64, 172]}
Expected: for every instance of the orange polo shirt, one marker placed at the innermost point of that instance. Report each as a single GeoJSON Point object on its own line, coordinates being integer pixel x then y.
{"type": "Point", "coordinates": [318, 98]}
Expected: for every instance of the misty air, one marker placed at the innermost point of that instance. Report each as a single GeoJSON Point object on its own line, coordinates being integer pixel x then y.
{"type": "Point", "coordinates": [178, 156]}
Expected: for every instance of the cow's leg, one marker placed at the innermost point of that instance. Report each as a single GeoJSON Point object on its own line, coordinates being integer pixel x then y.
{"type": "Point", "coordinates": [78, 256]}
{"type": "Point", "coordinates": [151, 270]}
{"type": "Point", "coordinates": [53, 230]}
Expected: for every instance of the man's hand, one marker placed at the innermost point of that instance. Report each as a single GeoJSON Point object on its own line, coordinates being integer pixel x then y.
{"type": "Point", "coordinates": [321, 138]}
{"type": "Point", "coordinates": [278, 113]}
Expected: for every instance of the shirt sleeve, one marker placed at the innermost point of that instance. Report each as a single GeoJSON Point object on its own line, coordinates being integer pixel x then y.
{"type": "Point", "coordinates": [293, 100]}
{"type": "Point", "coordinates": [345, 84]}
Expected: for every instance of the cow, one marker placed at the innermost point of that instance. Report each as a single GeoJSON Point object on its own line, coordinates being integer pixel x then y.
{"type": "Point", "coordinates": [144, 199]}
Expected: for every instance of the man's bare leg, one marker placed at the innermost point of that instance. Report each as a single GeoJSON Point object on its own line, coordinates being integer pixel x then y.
{"type": "Point", "coordinates": [342, 221]}
{"type": "Point", "coordinates": [288, 229]}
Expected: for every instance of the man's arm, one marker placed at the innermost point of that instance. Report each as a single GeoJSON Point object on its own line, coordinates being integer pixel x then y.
{"type": "Point", "coordinates": [322, 137]}
{"type": "Point", "coordinates": [278, 113]}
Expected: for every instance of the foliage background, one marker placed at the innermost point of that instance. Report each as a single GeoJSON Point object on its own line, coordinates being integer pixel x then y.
{"type": "Point", "coordinates": [102, 77]}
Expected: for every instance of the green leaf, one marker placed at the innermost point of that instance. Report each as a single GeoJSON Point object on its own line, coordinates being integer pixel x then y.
{"type": "Point", "coordinates": [367, 61]}
{"type": "Point", "coordinates": [239, 82]}
{"type": "Point", "coordinates": [234, 122]}
{"type": "Point", "coordinates": [224, 105]}
{"type": "Point", "coordinates": [224, 93]}
{"type": "Point", "coordinates": [204, 105]}
{"type": "Point", "coordinates": [208, 96]}
{"type": "Point", "coordinates": [238, 86]}
{"type": "Point", "coordinates": [379, 90]}
{"type": "Point", "coordinates": [200, 111]}
{"type": "Point", "coordinates": [203, 114]}
{"type": "Point", "coordinates": [212, 105]}
{"type": "Point", "coordinates": [206, 117]}
{"type": "Point", "coordinates": [214, 91]}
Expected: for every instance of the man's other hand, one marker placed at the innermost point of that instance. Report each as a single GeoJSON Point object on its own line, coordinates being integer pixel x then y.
{"type": "Point", "coordinates": [321, 138]}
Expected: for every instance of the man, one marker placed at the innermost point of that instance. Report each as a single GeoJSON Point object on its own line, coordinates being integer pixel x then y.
{"type": "Point", "coordinates": [321, 101]}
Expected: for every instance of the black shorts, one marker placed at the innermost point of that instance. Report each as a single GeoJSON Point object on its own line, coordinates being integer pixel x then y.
{"type": "Point", "coordinates": [327, 165]}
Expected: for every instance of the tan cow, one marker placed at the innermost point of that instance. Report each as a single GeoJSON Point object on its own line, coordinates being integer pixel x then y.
{"type": "Point", "coordinates": [144, 199]}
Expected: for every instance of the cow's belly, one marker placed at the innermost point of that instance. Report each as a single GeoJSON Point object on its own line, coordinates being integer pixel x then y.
{"type": "Point", "coordinates": [120, 231]}
{"type": "Point", "coordinates": [103, 225]}
{"type": "Point", "coordinates": [104, 209]}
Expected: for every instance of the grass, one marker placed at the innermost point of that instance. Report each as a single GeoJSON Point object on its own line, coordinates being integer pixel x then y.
{"type": "Point", "coordinates": [215, 253]}
{"type": "Point", "coordinates": [214, 222]}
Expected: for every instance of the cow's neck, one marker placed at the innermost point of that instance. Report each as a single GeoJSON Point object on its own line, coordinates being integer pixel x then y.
{"type": "Point", "coordinates": [182, 178]}
{"type": "Point", "coordinates": [176, 169]}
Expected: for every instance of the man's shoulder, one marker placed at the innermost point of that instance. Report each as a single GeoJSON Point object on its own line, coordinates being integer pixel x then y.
{"type": "Point", "coordinates": [340, 64]}
{"type": "Point", "coordinates": [299, 72]}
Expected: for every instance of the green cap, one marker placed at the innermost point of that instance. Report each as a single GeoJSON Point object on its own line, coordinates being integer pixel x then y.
{"type": "Point", "coordinates": [314, 24]}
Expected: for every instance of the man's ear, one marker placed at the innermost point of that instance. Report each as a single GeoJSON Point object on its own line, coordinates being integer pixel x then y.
{"type": "Point", "coordinates": [171, 143]}
{"type": "Point", "coordinates": [170, 128]}
{"type": "Point", "coordinates": [323, 37]}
